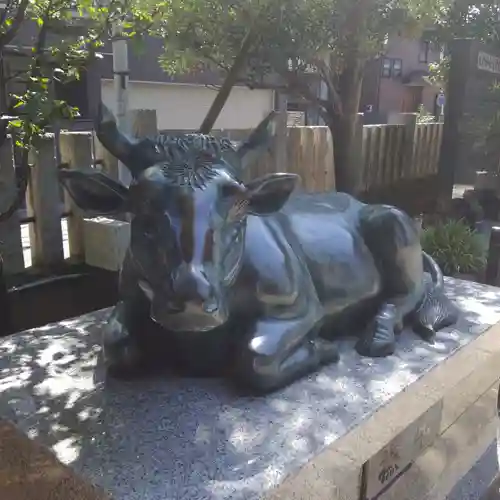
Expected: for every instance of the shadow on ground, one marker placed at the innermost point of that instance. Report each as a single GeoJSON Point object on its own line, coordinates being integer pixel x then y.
{"type": "Point", "coordinates": [183, 438]}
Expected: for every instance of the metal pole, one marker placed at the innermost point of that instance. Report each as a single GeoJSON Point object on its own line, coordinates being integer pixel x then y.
{"type": "Point", "coordinates": [121, 79]}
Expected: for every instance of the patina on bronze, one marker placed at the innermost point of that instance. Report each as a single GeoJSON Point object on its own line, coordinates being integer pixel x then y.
{"type": "Point", "coordinates": [254, 278]}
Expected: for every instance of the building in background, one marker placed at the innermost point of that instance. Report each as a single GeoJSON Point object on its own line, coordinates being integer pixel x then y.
{"type": "Point", "coordinates": [181, 102]}
{"type": "Point", "coordinates": [397, 82]}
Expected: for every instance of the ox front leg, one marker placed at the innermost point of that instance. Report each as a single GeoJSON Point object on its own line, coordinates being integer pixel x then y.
{"type": "Point", "coordinates": [394, 242]}
{"type": "Point", "coordinates": [124, 355]}
{"type": "Point", "coordinates": [279, 351]}
{"type": "Point", "coordinates": [379, 340]}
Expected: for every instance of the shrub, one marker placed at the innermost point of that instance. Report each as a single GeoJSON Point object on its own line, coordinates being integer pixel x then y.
{"type": "Point", "coordinates": [455, 247]}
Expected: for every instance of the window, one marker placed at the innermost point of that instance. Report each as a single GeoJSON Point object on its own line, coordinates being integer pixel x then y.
{"type": "Point", "coordinates": [386, 68]}
{"type": "Point", "coordinates": [397, 68]}
{"type": "Point", "coordinates": [423, 55]}
{"type": "Point", "coordinates": [392, 68]}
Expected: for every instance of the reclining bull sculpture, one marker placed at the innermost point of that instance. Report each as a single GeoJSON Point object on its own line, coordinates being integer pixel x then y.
{"type": "Point", "coordinates": [271, 275]}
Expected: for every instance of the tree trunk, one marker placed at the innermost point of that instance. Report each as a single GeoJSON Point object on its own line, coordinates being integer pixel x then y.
{"type": "Point", "coordinates": [343, 126]}
{"type": "Point", "coordinates": [228, 84]}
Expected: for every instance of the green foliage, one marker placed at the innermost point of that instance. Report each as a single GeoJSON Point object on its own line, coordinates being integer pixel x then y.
{"type": "Point", "coordinates": [424, 116]}
{"type": "Point", "coordinates": [455, 247]}
{"type": "Point", "coordinates": [291, 40]}
{"type": "Point", "coordinates": [465, 19]}
{"type": "Point", "coordinates": [439, 71]}
{"type": "Point", "coordinates": [469, 19]}
{"type": "Point", "coordinates": [69, 34]}
{"type": "Point", "coordinates": [304, 32]}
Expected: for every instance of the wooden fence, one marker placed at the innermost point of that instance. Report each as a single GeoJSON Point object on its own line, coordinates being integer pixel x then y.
{"type": "Point", "coordinates": [386, 153]}
{"type": "Point", "coordinates": [394, 152]}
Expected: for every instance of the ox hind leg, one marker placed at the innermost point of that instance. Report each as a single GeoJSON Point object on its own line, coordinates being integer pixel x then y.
{"type": "Point", "coordinates": [278, 351]}
{"type": "Point", "coordinates": [394, 242]}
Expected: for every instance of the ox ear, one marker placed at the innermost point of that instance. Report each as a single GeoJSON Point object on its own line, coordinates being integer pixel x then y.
{"type": "Point", "coordinates": [268, 194]}
{"type": "Point", "coordinates": [94, 192]}
{"type": "Point", "coordinates": [258, 143]}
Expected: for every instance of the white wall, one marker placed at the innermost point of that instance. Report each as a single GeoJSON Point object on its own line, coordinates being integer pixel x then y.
{"type": "Point", "coordinates": [183, 107]}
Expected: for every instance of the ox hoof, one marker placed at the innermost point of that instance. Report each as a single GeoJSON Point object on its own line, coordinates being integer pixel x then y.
{"type": "Point", "coordinates": [377, 343]}
{"type": "Point", "coordinates": [380, 339]}
{"type": "Point", "coordinates": [375, 348]}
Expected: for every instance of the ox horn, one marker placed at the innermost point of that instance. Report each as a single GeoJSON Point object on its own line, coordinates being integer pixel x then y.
{"type": "Point", "coordinates": [116, 142]}
{"type": "Point", "coordinates": [258, 142]}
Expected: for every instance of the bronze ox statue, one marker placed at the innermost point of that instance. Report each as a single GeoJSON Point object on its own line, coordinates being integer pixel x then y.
{"type": "Point", "coordinates": [253, 279]}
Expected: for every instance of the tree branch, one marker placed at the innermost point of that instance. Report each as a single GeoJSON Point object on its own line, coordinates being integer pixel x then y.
{"type": "Point", "coordinates": [24, 168]}
{"type": "Point", "coordinates": [229, 82]}
{"type": "Point", "coordinates": [325, 73]}
{"type": "Point", "coordinates": [9, 35]}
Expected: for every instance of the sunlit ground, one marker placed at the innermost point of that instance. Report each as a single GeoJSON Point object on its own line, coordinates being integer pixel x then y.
{"type": "Point", "coordinates": [25, 238]}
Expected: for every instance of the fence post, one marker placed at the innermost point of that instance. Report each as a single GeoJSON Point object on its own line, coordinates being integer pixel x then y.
{"type": "Point", "coordinates": [76, 151]}
{"type": "Point", "coordinates": [10, 231]}
{"type": "Point", "coordinates": [45, 202]}
{"type": "Point", "coordinates": [410, 144]}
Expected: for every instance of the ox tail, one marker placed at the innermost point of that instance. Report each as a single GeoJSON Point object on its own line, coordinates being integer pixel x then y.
{"type": "Point", "coordinates": [436, 310]}
{"type": "Point", "coordinates": [432, 267]}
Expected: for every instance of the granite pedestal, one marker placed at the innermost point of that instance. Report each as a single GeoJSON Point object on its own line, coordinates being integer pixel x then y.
{"type": "Point", "coordinates": [353, 428]}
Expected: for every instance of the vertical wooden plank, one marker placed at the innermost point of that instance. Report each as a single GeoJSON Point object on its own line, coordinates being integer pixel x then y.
{"type": "Point", "coordinates": [393, 153]}
{"type": "Point", "coordinates": [413, 173]}
{"type": "Point", "coordinates": [375, 157]}
{"type": "Point", "coordinates": [316, 170]}
{"type": "Point", "coordinates": [400, 137]}
{"type": "Point", "coordinates": [10, 230]}
{"type": "Point", "coordinates": [421, 155]}
{"type": "Point", "coordinates": [388, 149]}
{"type": "Point", "coordinates": [410, 144]}
{"type": "Point", "coordinates": [438, 145]}
{"type": "Point", "coordinates": [432, 148]}
{"type": "Point", "coordinates": [293, 152]}
{"type": "Point", "coordinates": [435, 149]}
{"type": "Point", "coordinates": [386, 157]}
{"type": "Point", "coordinates": [320, 159]}
{"type": "Point", "coordinates": [370, 148]}
{"type": "Point", "coordinates": [45, 202]}
{"type": "Point", "coordinates": [400, 152]}
{"type": "Point", "coordinates": [426, 149]}
{"type": "Point", "coordinates": [316, 167]}
{"type": "Point", "coordinates": [143, 122]}
{"type": "Point", "coordinates": [364, 158]}
{"type": "Point", "coordinates": [330, 160]}
{"type": "Point", "coordinates": [424, 165]}
{"type": "Point", "coordinates": [300, 164]}
{"type": "Point", "coordinates": [380, 156]}
{"type": "Point", "coordinates": [304, 166]}
{"type": "Point", "coordinates": [76, 151]}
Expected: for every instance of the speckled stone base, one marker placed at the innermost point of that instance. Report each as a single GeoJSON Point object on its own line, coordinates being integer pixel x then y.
{"type": "Point", "coordinates": [162, 438]}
